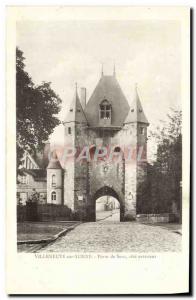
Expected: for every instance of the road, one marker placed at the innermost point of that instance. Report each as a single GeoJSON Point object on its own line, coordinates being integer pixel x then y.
{"type": "Point", "coordinates": [107, 216]}
{"type": "Point", "coordinates": [105, 236]}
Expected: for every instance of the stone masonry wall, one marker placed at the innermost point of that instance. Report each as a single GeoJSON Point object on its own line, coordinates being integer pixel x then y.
{"type": "Point", "coordinates": [81, 168]}
{"type": "Point", "coordinates": [83, 179]}
{"type": "Point", "coordinates": [69, 171]}
{"type": "Point", "coordinates": [128, 138]}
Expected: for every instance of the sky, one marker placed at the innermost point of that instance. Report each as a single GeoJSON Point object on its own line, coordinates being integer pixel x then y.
{"type": "Point", "coordinates": [144, 52]}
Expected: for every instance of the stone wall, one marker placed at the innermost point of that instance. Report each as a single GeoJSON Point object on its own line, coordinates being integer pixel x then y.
{"type": "Point", "coordinates": [69, 169]}
{"type": "Point", "coordinates": [83, 179]}
{"type": "Point", "coordinates": [156, 218]}
{"type": "Point", "coordinates": [128, 138]}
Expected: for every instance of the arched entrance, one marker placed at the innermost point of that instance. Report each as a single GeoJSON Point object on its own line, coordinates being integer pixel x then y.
{"type": "Point", "coordinates": [107, 209]}
{"type": "Point", "coordinates": [102, 192]}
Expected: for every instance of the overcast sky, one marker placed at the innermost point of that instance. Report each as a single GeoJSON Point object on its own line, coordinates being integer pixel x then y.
{"type": "Point", "coordinates": [146, 52]}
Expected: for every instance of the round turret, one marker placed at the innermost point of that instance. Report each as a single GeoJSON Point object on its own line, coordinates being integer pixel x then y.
{"type": "Point", "coordinates": [54, 181]}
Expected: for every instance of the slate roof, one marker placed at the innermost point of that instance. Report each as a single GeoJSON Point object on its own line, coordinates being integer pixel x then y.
{"type": "Point", "coordinates": [54, 162]}
{"type": "Point", "coordinates": [107, 88]}
{"type": "Point", "coordinates": [75, 113]}
{"type": "Point", "coordinates": [136, 113]}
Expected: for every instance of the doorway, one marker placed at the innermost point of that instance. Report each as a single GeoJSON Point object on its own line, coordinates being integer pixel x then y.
{"type": "Point", "coordinates": [107, 209]}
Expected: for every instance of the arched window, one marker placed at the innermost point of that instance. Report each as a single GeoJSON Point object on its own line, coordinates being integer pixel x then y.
{"type": "Point", "coordinates": [142, 130]}
{"type": "Point", "coordinates": [105, 110]}
{"type": "Point", "coordinates": [98, 151]}
{"type": "Point", "coordinates": [69, 130]}
{"type": "Point", "coordinates": [53, 197]}
{"type": "Point", "coordinates": [117, 149]}
{"type": "Point", "coordinates": [92, 152]}
{"type": "Point", "coordinates": [53, 180]}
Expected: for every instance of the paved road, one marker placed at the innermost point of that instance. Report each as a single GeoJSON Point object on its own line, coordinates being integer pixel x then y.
{"type": "Point", "coordinates": [107, 216]}
{"type": "Point", "coordinates": [105, 236]}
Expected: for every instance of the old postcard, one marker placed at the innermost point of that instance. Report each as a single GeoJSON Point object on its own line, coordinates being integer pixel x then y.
{"type": "Point", "coordinates": [98, 150]}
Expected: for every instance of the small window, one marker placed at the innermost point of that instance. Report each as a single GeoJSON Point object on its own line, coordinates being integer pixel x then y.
{"type": "Point", "coordinates": [24, 179]}
{"type": "Point", "coordinates": [132, 110]}
{"type": "Point", "coordinates": [92, 152]}
{"type": "Point", "coordinates": [141, 130]}
{"type": "Point", "coordinates": [105, 110]}
{"type": "Point", "coordinates": [53, 197]}
{"type": "Point", "coordinates": [71, 109]}
{"type": "Point", "coordinates": [53, 180]}
{"type": "Point", "coordinates": [80, 198]}
{"type": "Point", "coordinates": [23, 199]}
{"type": "Point", "coordinates": [69, 130]}
{"type": "Point", "coordinates": [117, 149]}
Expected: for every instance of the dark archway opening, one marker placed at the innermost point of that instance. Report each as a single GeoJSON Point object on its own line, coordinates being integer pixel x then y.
{"type": "Point", "coordinates": [107, 202]}
{"type": "Point", "coordinates": [107, 209]}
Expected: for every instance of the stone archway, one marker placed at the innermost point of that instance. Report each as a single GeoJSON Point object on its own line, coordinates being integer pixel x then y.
{"type": "Point", "coordinates": [105, 191]}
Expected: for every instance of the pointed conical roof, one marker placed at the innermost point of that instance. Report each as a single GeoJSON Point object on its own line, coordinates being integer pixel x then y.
{"type": "Point", "coordinates": [75, 113]}
{"type": "Point", "coordinates": [136, 113]}
{"type": "Point", "coordinates": [54, 162]}
{"type": "Point", "coordinates": [107, 88]}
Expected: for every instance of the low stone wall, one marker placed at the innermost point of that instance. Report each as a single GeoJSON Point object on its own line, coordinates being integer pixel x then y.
{"type": "Point", "coordinates": [157, 218]}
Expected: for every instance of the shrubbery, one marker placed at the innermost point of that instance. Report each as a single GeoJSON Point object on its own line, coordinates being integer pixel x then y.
{"type": "Point", "coordinates": [43, 212]}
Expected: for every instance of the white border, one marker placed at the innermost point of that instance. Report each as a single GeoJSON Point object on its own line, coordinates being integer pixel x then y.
{"type": "Point", "coordinates": [36, 2]}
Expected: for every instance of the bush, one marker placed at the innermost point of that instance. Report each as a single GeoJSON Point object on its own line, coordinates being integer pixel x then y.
{"type": "Point", "coordinates": [79, 216]}
{"type": "Point", "coordinates": [129, 217]}
{"type": "Point", "coordinates": [43, 212]}
{"type": "Point", "coordinates": [31, 211]}
{"type": "Point", "coordinates": [52, 212]}
{"type": "Point", "coordinates": [21, 213]}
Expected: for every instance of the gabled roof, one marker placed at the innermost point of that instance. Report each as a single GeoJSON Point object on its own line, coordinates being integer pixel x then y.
{"type": "Point", "coordinates": [136, 113]}
{"type": "Point", "coordinates": [75, 113]}
{"type": "Point", "coordinates": [107, 88]}
{"type": "Point", "coordinates": [54, 162]}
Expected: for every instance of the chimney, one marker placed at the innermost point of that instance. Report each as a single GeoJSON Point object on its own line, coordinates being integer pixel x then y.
{"type": "Point", "coordinates": [83, 97]}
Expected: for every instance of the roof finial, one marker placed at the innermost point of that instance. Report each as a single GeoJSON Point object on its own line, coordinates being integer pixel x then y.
{"type": "Point", "coordinates": [102, 69]}
{"type": "Point", "coordinates": [136, 90]}
{"type": "Point", "coordinates": [114, 71]}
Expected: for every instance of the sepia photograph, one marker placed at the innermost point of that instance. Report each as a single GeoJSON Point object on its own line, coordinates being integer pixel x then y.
{"type": "Point", "coordinates": [94, 159]}
{"type": "Point", "coordinates": [99, 135]}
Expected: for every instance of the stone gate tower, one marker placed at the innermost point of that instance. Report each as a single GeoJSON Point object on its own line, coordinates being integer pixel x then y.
{"type": "Point", "coordinates": [105, 149]}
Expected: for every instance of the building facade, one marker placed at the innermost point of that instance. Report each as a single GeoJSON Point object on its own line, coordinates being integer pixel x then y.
{"type": "Point", "coordinates": [32, 176]}
{"type": "Point", "coordinates": [105, 152]}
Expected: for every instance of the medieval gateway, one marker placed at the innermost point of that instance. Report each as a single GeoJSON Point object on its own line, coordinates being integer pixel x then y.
{"type": "Point", "coordinates": [105, 153]}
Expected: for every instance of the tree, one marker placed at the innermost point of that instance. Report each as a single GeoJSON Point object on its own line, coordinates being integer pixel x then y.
{"type": "Point", "coordinates": [167, 170]}
{"type": "Point", "coordinates": [36, 110]}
